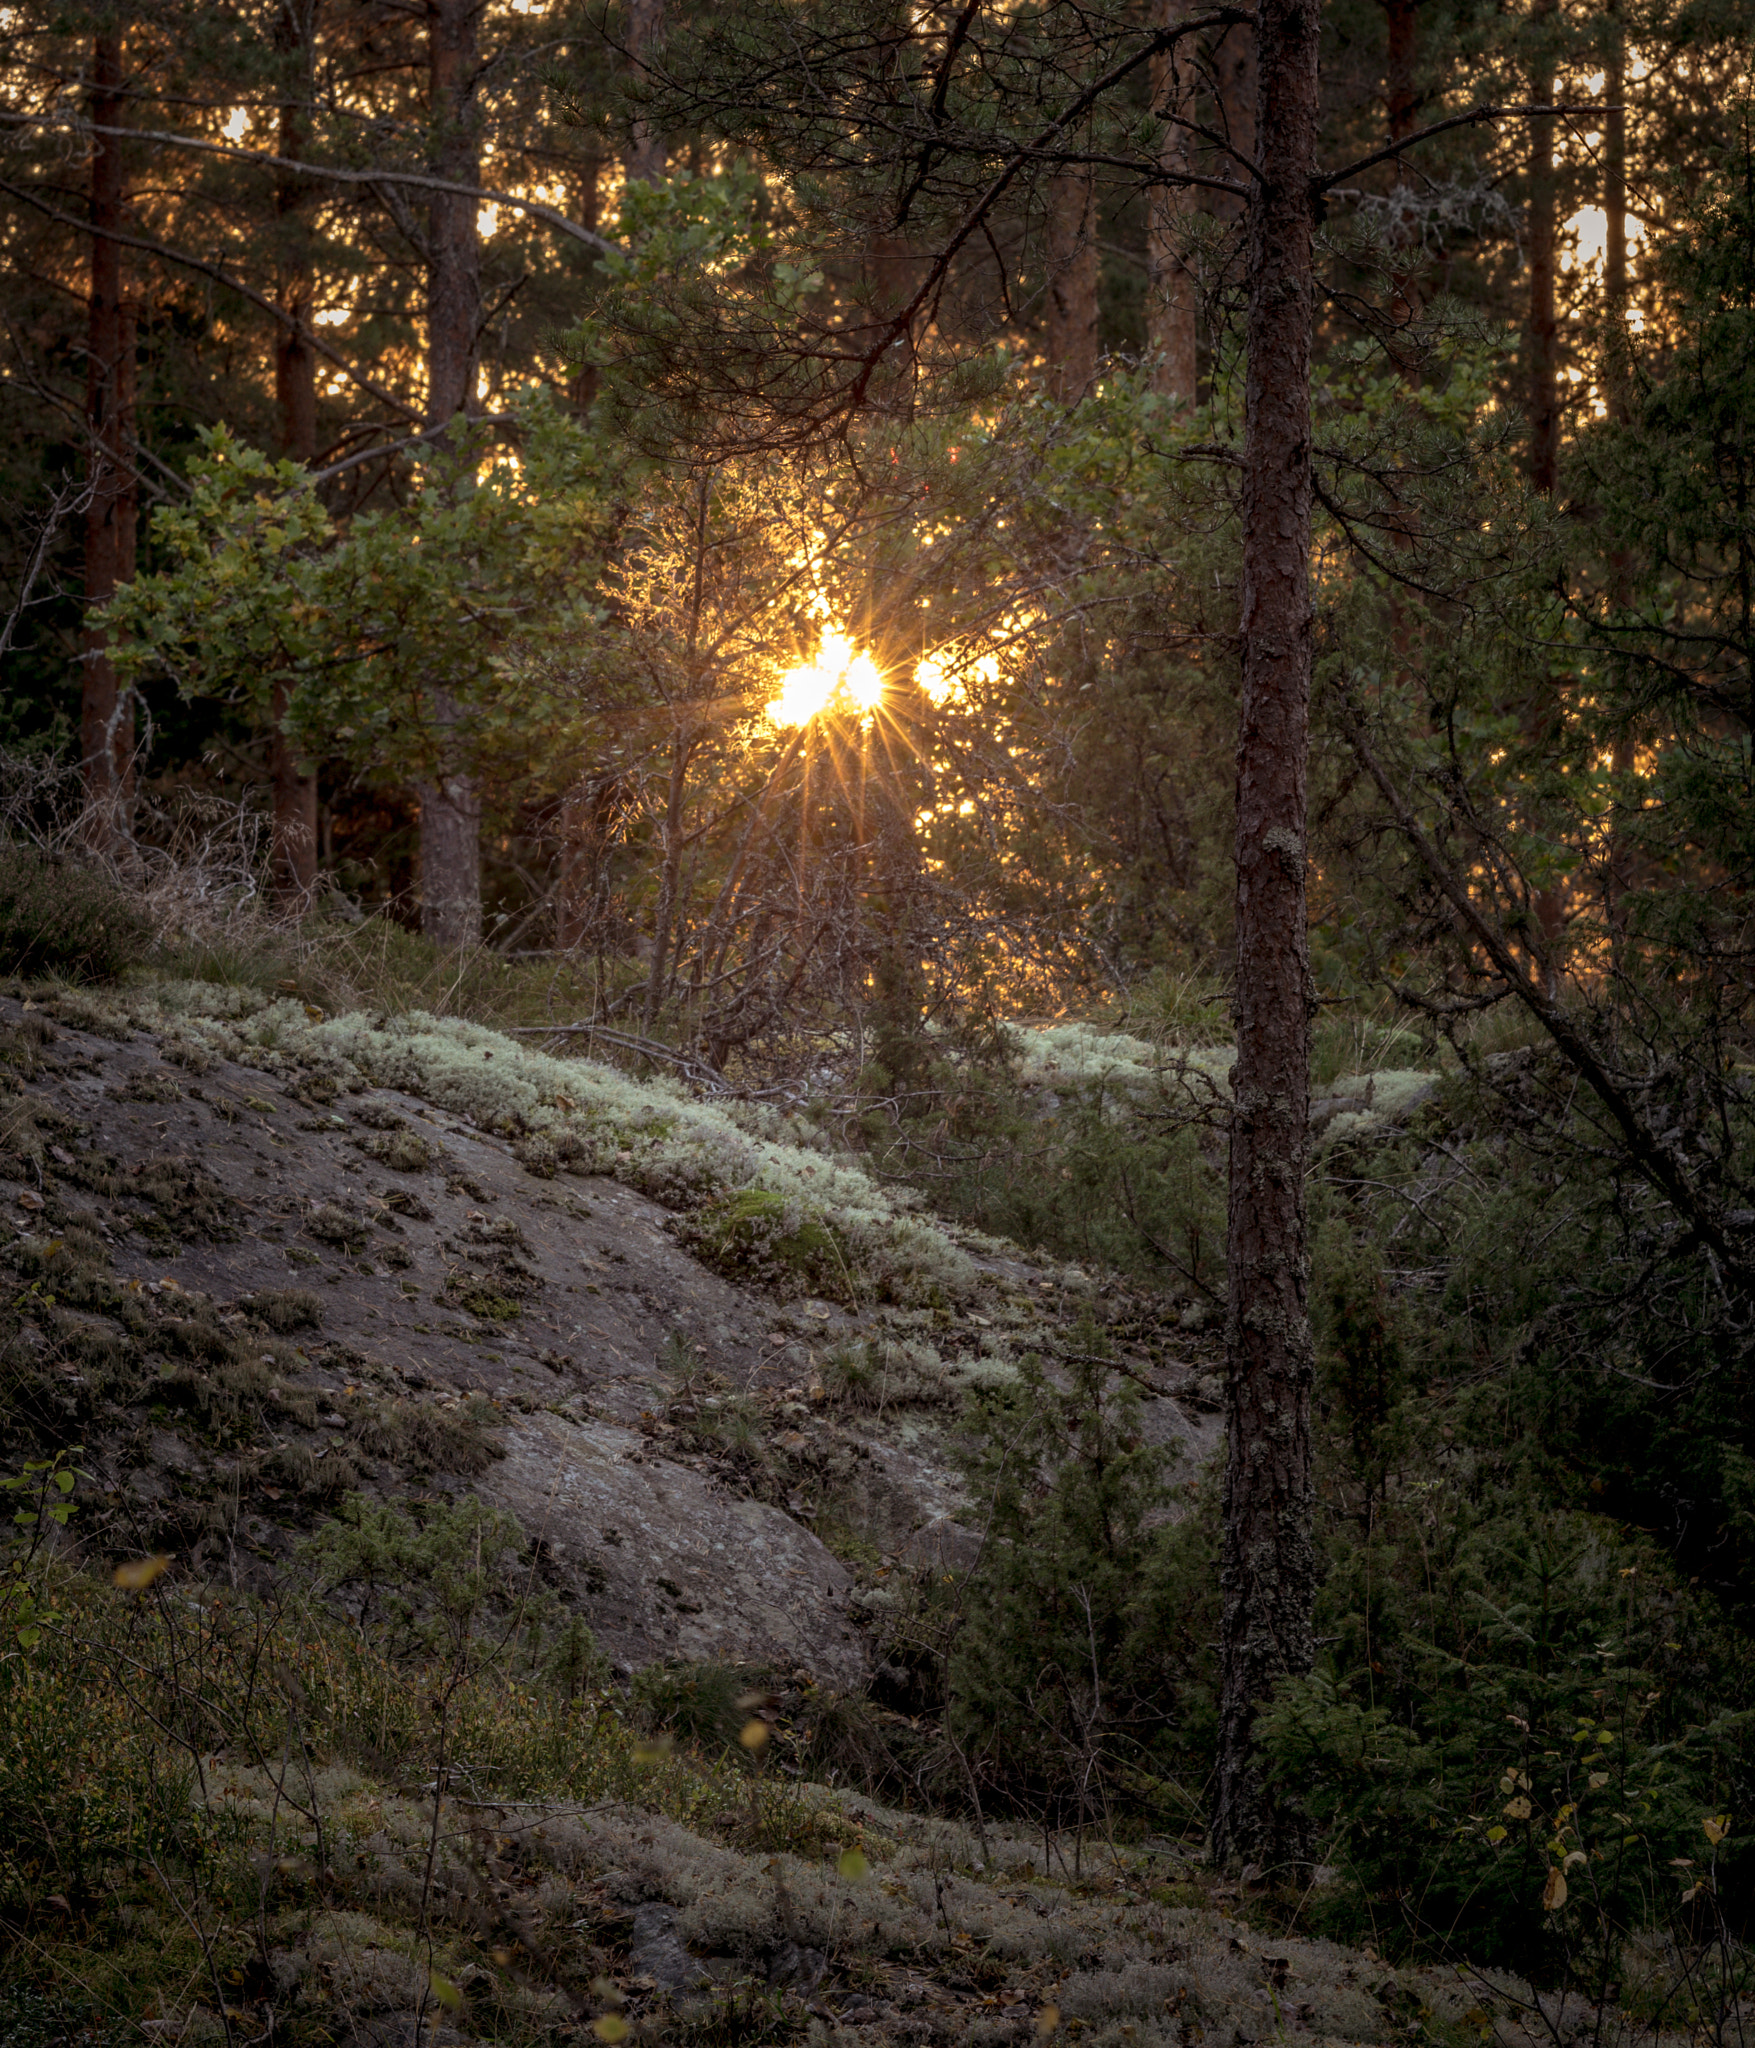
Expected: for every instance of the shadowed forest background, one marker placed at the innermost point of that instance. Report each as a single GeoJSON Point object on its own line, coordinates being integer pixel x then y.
{"type": "Point", "coordinates": [704, 550]}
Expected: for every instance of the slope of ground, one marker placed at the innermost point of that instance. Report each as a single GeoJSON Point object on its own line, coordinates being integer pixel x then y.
{"type": "Point", "coordinates": [280, 1278]}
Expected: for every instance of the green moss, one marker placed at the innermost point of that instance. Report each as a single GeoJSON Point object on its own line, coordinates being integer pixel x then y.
{"type": "Point", "coordinates": [762, 1234]}
{"type": "Point", "coordinates": [477, 1298]}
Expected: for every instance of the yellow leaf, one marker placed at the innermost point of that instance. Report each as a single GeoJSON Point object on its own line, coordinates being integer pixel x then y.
{"type": "Point", "coordinates": [853, 1863]}
{"type": "Point", "coordinates": [1717, 1828]}
{"type": "Point", "coordinates": [443, 1989]}
{"type": "Point", "coordinates": [1047, 2020]}
{"type": "Point", "coordinates": [135, 1576]}
{"type": "Point", "coordinates": [612, 2027]}
{"type": "Point", "coordinates": [1495, 1834]}
{"type": "Point", "coordinates": [1517, 1809]}
{"type": "Point", "coordinates": [1554, 1892]}
{"type": "Point", "coordinates": [755, 1734]}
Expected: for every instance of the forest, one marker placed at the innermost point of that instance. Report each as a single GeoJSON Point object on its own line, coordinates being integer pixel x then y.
{"type": "Point", "coordinates": [1031, 723]}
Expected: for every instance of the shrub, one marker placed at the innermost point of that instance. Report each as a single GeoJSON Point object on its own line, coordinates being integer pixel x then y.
{"type": "Point", "coordinates": [1078, 1676]}
{"type": "Point", "coordinates": [1519, 1729]}
{"type": "Point", "coordinates": [61, 917]}
{"type": "Point", "coordinates": [703, 1703]}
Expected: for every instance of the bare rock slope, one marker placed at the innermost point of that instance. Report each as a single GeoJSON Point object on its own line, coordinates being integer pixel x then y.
{"type": "Point", "coordinates": [294, 1258]}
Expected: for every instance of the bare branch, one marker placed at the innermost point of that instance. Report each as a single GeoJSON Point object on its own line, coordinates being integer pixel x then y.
{"type": "Point", "coordinates": [1473, 116]}
{"type": "Point", "coordinates": [220, 275]}
{"type": "Point", "coordinates": [335, 174]}
{"type": "Point", "coordinates": [1650, 1155]}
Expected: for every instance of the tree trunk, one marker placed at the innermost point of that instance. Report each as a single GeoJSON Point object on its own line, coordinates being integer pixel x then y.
{"type": "Point", "coordinates": [1268, 1573]}
{"type": "Point", "coordinates": [450, 861]}
{"type": "Point", "coordinates": [1071, 334]}
{"type": "Point", "coordinates": [1617, 367]}
{"type": "Point", "coordinates": [669, 876]}
{"type": "Point", "coordinates": [1401, 103]}
{"type": "Point", "coordinates": [1235, 79]}
{"type": "Point", "coordinates": [1544, 324]}
{"type": "Point", "coordinates": [106, 710]}
{"type": "Point", "coordinates": [1400, 97]}
{"type": "Point", "coordinates": [295, 394]}
{"type": "Point", "coordinates": [1171, 299]}
{"type": "Point", "coordinates": [1617, 341]}
{"type": "Point", "coordinates": [588, 210]}
{"type": "Point", "coordinates": [646, 156]}
{"type": "Point", "coordinates": [454, 276]}
{"type": "Point", "coordinates": [450, 805]}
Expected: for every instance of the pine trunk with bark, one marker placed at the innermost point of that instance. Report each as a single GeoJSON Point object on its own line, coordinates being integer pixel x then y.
{"type": "Point", "coordinates": [1543, 319]}
{"type": "Point", "coordinates": [1070, 332]}
{"type": "Point", "coordinates": [450, 804]}
{"type": "Point", "coordinates": [1618, 366]}
{"type": "Point", "coordinates": [1401, 103]}
{"type": "Point", "coordinates": [1268, 1571]}
{"type": "Point", "coordinates": [106, 709]}
{"type": "Point", "coordinates": [295, 395]}
{"type": "Point", "coordinates": [1172, 304]}
{"type": "Point", "coordinates": [1237, 85]}
{"type": "Point", "coordinates": [646, 153]}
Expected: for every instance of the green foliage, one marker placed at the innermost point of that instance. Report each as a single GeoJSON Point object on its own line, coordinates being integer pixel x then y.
{"type": "Point", "coordinates": [1078, 1676]}
{"type": "Point", "coordinates": [61, 917]}
{"type": "Point", "coordinates": [261, 585]}
{"type": "Point", "coordinates": [1509, 1692]}
{"type": "Point", "coordinates": [44, 1487]}
{"type": "Point", "coordinates": [771, 1236]}
{"type": "Point", "coordinates": [705, 1704]}
{"type": "Point", "coordinates": [433, 1574]}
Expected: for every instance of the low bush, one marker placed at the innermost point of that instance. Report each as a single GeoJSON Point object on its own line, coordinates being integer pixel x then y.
{"type": "Point", "coordinates": [61, 917]}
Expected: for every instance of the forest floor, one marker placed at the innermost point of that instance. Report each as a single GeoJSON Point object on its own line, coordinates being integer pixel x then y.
{"type": "Point", "coordinates": [262, 1279]}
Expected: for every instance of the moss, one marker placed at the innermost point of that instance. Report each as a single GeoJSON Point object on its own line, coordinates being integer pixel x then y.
{"type": "Point", "coordinates": [184, 1201]}
{"type": "Point", "coordinates": [759, 1232]}
{"type": "Point", "coordinates": [423, 1438]}
{"type": "Point", "coordinates": [851, 1235]}
{"type": "Point", "coordinates": [330, 1224]}
{"type": "Point", "coordinates": [476, 1297]}
{"type": "Point", "coordinates": [284, 1309]}
{"type": "Point", "coordinates": [402, 1150]}
{"type": "Point", "coordinates": [148, 1086]}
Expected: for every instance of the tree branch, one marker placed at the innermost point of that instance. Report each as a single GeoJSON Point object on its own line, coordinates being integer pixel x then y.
{"type": "Point", "coordinates": [1022, 154]}
{"type": "Point", "coordinates": [222, 276]}
{"type": "Point", "coordinates": [422, 181]}
{"type": "Point", "coordinates": [1650, 1156]}
{"type": "Point", "coordinates": [1475, 114]}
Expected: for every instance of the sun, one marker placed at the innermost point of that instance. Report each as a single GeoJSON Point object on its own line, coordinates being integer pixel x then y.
{"type": "Point", "coordinates": [841, 673]}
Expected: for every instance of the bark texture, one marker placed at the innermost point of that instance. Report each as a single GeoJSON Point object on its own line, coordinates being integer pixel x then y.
{"type": "Point", "coordinates": [450, 805]}
{"type": "Point", "coordinates": [106, 710]}
{"type": "Point", "coordinates": [1070, 333]}
{"type": "Point", "coordinates": [1237, 85]}
{"type": "Point", "coordinates": [1400, 97]}
{"type": "Point", "coordinates": [454, 273]}
{"type": "Point", "coordinates": [1268, 1570]}
{"type": "Point", "coordinates": [1543, 321]}
{"type": "Point", "coordinates": [1619, 395]}
{"type": "Point", "coordinates": [1172, 303]}
{"type": "Point", "coordinates": [295, 395]}
{"type": "Point", "coordinates": [450, 861]}
{"type": "Point", "coordinates": [646, 155]}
